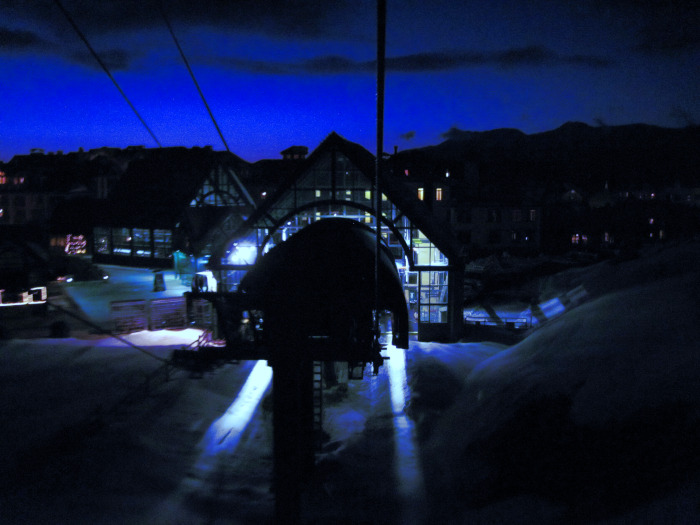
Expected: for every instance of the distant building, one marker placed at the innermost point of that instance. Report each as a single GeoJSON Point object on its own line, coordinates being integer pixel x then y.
{"type": "Point", "coordinates": [171, 200]}
{"type": "Point", "coordinates": [295, 153]}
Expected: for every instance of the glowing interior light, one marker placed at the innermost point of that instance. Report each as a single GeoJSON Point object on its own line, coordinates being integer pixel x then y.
{"type": "Point", "coordinates": [225, 432]}
{"type": "Point", "coordinates": [397, 378]}
{"type": "Point", "coordinates": [552, 308]}
{"type": "Point", "coordinates": [243, 253]}
{"type": "Point", "coordinates": [408, 471]}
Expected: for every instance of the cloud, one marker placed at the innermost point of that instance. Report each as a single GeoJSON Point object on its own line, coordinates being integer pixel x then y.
{"type": "Point", "coordinates": [12, 40]}
{"type": "Point", "coordinates": [301, 18]}
{"type": "Point", "coordinates": [669, 37]}
{"type": "Point", "coordinates": [422, 62]}
{"type": "Point", "coordinates": [661, 26]}
{"type": "Point", "coordinates": [408, 135]}
{"type": "Point", "coordinates": [20, 40]}
{"type": "Point", "coordinates": [114, 59]}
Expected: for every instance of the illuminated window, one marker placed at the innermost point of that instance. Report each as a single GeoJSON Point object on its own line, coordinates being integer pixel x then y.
{"type": "Point", "coordinates": [420, 194]}
{"type": "Point", "coordinates": [2, 212]}
{"type": "Point", "coordinates": [3, 178]}
{"type": "Point", "coordinates": [368, 195]}
{"type": "Point", "coordinates": [438, 194]}
{"type": "Point", "coordinates": [384, 198]}
{"type": "Point", "coordinates": [141, 242]}
{"type": "Point", "coordinates": [161, 243]}
{"type": "Point", "coordinates": [318, 193]}
{"type": "Point", "coordinates": [102, 241]}
{"type": "Point", "coordinates": [579, 239]}
{"type": "Point", "coordinates": [447, 174]}
{"type": "Point", "coordinates": [121, 239]}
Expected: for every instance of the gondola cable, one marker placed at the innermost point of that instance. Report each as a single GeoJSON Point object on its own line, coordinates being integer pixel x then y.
{"type": "Point", "coordinates": [105, 68]}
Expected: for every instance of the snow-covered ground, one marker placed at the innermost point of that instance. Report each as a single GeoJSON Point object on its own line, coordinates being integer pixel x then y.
{"type": "Point", "coordinates": [592, 418]}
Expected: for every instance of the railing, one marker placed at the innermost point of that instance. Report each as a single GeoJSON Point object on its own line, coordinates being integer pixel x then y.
{"type": "Point", "coordinates": [511, 323]}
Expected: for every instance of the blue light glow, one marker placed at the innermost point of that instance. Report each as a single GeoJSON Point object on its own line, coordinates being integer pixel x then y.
{"type": "Point", "coordinates": [408, 471]}
{"type": "Point", "coordinates": [552, 308]}
{"type": "Point", "coordinates": [225, 433]}
{"type": "Point", "coordinates": [243, 253]}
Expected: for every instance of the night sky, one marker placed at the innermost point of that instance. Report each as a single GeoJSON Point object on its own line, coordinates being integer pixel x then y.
{"type": "Point", "coordinates": [281, 73]}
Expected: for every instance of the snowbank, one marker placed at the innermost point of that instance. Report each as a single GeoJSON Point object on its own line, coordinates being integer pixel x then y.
{"type": "Point", "coordinates": [594, 415]}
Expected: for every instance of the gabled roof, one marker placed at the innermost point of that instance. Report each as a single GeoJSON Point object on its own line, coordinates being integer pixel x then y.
{"type": "Point", "coordinates": [155, 189]}
{"type": "Point", "coordinates": [437, 231]}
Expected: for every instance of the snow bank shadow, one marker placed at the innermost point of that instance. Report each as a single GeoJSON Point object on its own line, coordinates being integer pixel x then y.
{"type": "Point", "coordinates": [595, 471]}
{"type": "Point", "coordinates": [438, 375]}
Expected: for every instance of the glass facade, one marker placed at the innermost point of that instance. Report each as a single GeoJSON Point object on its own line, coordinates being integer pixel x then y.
{"type": "Point", "coordinates": [334, 187]}
{"type": "Point", "coordinates": [141, 242]}
{"type": "Point", "coordinates": [103, 242]}
{"type": "Point", "coordinates": [121, 241]}
{"type": "Point", "coordinates": [133, 242]}
{"type": "Point", "coordinates": [162, 243]}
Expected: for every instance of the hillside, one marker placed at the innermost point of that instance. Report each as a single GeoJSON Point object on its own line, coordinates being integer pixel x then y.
{"type": "Point", "coordinates": [587, 157]}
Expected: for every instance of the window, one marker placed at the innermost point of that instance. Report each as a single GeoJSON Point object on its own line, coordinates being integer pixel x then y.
{"type": "Point", "coordinates": [420, 194]}
{"type": "Point", "coordinates": [121, 239]}
{"type": "Point", "coordinates": [438, 194]}
{"type": "Point", "coordinates": [533, 215]}
{"type": "Point", "coordinates": [141, 242]}
{"type": "Point", "coordinates": [102, 242]}
{"type": "Point", "coordinates": [517, 215]}
{"type": "Point", "coordinates": [578, 238]}
{"type": "Point", "coordinates": [161, 243]}
{"type": "Point", "coordinates": [494, 215]}
{"type": "Point", "coordinates": [433, 296]}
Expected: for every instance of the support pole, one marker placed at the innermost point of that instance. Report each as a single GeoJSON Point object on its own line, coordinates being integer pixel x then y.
{"type": "Point", "coordinates": [381, 52]}
{"type": "Point", "coordinates": [293, 443]}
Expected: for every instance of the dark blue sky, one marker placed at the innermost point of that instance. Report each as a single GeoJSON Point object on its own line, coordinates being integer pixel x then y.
{"type": "Point", "coordinates": [281, 73]}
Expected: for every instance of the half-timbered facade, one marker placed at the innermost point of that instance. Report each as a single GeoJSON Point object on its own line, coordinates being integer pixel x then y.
{"type": "Point", "coordinates": [336, 180]}
{"type": "Point", "coordinates": [169, 202]}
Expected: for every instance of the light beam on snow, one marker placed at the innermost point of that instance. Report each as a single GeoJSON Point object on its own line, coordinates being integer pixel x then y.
{"type": "Point", "coordinates": [552, 308]}
{"type": "Point", "coordinates": [397, 378]}
{"type": "Point", "coordinates": [408, 472]}
{"type": "Point", "coordinates": [225, 432]}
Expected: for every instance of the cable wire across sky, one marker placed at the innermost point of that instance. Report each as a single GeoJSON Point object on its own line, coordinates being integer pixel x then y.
{"type": "Point", "coordinates": [106, 69]}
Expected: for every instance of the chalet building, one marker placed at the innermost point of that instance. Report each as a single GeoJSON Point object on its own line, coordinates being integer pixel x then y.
{"type": "Point", "coordinates": [488, 227]}
{"type": "Point", "coordinates": [336, 180]}
{"type": "Point", "coordinates": [484, 219]}
{"type": "Point", "coordinates": [55, 192]}
{"type": "Point", "coordinates": [295, 153]}
{"type": "Point", "coordinates": [168, 206]}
